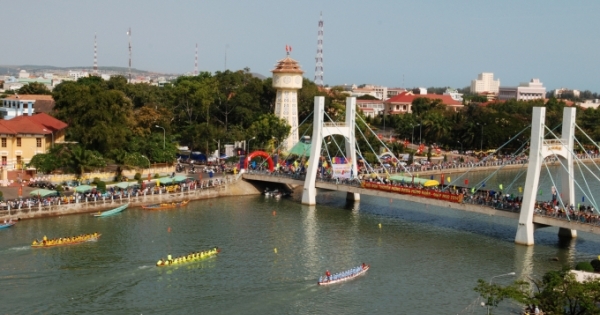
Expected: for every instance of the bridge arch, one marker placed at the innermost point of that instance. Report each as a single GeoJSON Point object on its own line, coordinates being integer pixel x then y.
{"type": "Point", "coordinates": [262, 154]}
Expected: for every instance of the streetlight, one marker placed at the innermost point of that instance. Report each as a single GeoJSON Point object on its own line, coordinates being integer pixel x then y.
{"type": "Point", "coordinates": [506, 274]}
{"type": "Point", "coordinates": [249, 144]}
{"type": "Point", "coordinates": [149, 164]}
{"type": "Point", "coordinates": [164, 134]}
{"type": "Point", "coordinates": [461, 148]}
{"type": "Point", "coordinates": [481, 146]}
{"type": "Point", "coordinates": [412, 139]}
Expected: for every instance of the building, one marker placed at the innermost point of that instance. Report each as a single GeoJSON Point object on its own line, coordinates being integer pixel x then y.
{"type": "Point", "coordinates": [532, 90]}
{"type": "Point", "coordinates": [370, 108]}
{"type": "Point", "coordinates": [565, 93]}
{"type": "Point", "coordinates": [391, 92]}
{"type": "Point", "coordinates": [287, 80]}
{"type": "Point", "coordinates": [25, 136]}
{"type": "Point", "coordinates": [27, 104]}
{"type": "Point", "coordinates": [454, 94]}
{"type": "Point", "coordinates": [485, 83]}
{"type": "Point", "coordinates": [402, 103]}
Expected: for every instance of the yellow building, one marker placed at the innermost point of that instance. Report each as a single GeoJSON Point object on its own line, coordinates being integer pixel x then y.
{"type": "Point", "coordinates": [22, 137]}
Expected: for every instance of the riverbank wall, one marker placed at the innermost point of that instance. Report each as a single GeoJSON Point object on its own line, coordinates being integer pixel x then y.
{"type": "Point", "coordinates": [230, 187]}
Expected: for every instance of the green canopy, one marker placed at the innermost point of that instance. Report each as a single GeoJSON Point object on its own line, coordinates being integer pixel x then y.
{"type": "Point", "coordinates": [165, 180]}
{"type": "Point", "coordinates": [408, 179]}
{"type": "Point", "coordinates": [179, 178]}
{"type": "Point", "coordinates": [43, 192]}
{"type": "Point", "coordinates": [125, 185]}
{"type": "Point", "coordinates": [300, 149]}
{"type": "Point", "coordinates": [83, 188]}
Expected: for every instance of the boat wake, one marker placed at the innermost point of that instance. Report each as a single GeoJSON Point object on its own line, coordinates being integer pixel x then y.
{"type": "Point", "coordinates": [20, 248]}
{"type": "Point", "coordinates": [145, 267]}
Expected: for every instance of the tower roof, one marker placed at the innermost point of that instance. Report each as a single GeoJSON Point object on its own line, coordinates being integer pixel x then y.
{"type": "Point", "coordinates": [287, 65]}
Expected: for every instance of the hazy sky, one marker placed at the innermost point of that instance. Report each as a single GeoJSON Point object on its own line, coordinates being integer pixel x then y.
{"type": "Point", "coordinates": [393, 43]}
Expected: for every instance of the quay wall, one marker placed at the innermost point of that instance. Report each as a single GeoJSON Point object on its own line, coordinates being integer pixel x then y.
{"type": "Point", "coordinates": [230, 187]}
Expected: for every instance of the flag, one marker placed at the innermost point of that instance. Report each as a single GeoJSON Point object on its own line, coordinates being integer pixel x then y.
{"type": "Point", "coordinates": [520, 189]}
{"type": "Point", "coordinates": [431, 177]}
{"type": "Point", "coordinates": [449, 180]}
{"type": "Point", "coordinates": [540, 193]}
{"type": "Point", "coordinates": [582, 198]}
{"type": "Point", "coordinates": [500, 186]}
{"type": "Point", "coordinates": [20, 191]}
{"type": "Point", "coordinates": [473, 190]}
{"type": "Point", "coordinates": [466, 182]}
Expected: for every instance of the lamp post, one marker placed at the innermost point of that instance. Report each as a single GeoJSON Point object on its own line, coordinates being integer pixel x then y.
{"type": "Point", "coordinates": [149, 164]}
{"type": "Point", "coordinates": [491, 279]}
{"type": "Point", "coordinates": [249, 144]}
{"type": "Point", "coordinates": [461, 147]}
{"type": "Point", "coordinates": [481, 145]}
{"type": "Point", "coordinates": [164, 134]}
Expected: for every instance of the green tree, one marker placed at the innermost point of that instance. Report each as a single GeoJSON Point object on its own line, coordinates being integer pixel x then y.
{"type": "Point", "coordinates": [34, 88]}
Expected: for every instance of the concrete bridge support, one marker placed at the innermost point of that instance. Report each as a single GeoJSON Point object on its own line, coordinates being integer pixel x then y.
{"type": "Point", "coordinates": [539, 149]}
{"type": "Point", "coordinates": [322, 130]}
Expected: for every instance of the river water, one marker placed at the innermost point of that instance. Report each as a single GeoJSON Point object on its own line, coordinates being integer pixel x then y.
{"type": "Point", "coordinates": [424, 259]}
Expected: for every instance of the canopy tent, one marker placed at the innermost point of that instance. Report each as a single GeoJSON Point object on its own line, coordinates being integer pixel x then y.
{"type": "Point", "coordinates": [43, 192]}
{"type": "Point", "coordinates": [164, 180]}
{"type": "Point", "coordinates": [83, 188]}
{"type": "Point", "coordinates": [408, 179]}
{"type": "Point", "coordinates": [431, 183]}
{"type": "Point", "coordinates": [180, 178]}
{"type": "Point", "coordinates": [300, 149]}
{"type": "Point", "coordinates": [125, 185]}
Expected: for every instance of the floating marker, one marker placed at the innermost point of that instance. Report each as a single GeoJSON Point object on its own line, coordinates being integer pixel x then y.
{"type": "Point", "coordinates": [275, 250]}
{"type": "Point", "coordinates": [380, 225]}
{"type": "Point", "coordinates": [274, 213]}
{"type": "Point", "coordinates": [169, 229]}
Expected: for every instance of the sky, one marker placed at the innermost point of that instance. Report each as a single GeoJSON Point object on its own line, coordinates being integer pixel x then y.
{"type": "Point", "coordinates": [394, 43]}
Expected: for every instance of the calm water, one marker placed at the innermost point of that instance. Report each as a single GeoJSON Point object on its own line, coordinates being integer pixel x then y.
{"type": "Point", "coordinates": [425, 260]}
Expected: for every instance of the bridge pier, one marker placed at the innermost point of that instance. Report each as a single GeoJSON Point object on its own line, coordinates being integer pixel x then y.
{"type": "Point", "coordinates": [353, 196]}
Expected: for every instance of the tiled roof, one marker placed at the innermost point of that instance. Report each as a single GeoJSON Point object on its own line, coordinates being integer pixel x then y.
{"type": "Point", "coordinates": [39, 124]}
{"type": "Point", "coordinates": [28, 97]}
{"type": "Point", "coordinates": [408, 97]}
{"type": "Point", "coordinates": [287, 65]}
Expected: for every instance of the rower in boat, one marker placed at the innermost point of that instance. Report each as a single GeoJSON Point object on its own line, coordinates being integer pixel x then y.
{"type": "Point", "coordinates": [328, 275]}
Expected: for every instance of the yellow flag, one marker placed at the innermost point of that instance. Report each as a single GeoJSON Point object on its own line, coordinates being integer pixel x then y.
{"type": "Point", "coordinates": [449, 180]}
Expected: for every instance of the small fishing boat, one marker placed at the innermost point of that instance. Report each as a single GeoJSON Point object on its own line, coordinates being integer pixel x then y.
{"type": "Point", "coordinates": [160, 206]}
{"type": "Point", "coordinates": [188, 258]}
{"type": "Point", "coordinates": [7, 224]}
{"type": "Point", "coordinates": [63, 241]}
{"type": "Point", "coordinates": [112, 211]}
{"type": "Point", "coordinates": [350, 274]}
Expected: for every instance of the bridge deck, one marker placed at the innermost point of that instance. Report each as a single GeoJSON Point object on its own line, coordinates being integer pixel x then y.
{"type": "Point", "coordinates": [539, 220]}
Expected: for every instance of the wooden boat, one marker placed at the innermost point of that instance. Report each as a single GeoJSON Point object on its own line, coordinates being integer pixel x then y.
{"type": "Point", "coordinates": [189, 258]}
{"type": "Point", "coordinates": [7, 224]}
{"type": "Point", "coordinates": [56, 242]}
{"type": "Point", "coordinates": [160, 206]}
{"type": "Point", "coordinates": [112, 211]}
{"type": "Point", "coordinates": [362, 270]}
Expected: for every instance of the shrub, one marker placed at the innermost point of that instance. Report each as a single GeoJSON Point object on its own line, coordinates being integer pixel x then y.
{"type": "Point", "coordinates": [60, 188]}
{"type": "Point", "coordinates": [96, 180]}
{"type": "Point", "coordinates": [584, 266]}
{"type": "Point", "coordinates": [137, 176]}
{"type": "Point", "coordinates": [156, 175]}
{"type": "Point", "coordinates": [595, 264]}
{"type": "Point", "coordinates": [101, 186]}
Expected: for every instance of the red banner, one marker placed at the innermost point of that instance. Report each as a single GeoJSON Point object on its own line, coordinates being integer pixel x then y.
{"type": "Point", "coordinates": [425, 193]}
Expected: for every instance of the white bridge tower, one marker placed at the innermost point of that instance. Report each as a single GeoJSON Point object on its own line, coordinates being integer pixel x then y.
{"type": "Point", "coordinates": [539, 149]}
{"type": "Point", "coordinates": [322, 130]}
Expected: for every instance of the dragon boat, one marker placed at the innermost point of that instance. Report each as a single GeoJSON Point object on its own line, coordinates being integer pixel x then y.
{"type": "Point", "coordinates": [7, 224]}
{"type": "Point", "coordinates": [63, 241]}
{"type": "Point", "coordinates": [112, 211]}
{"type": "Point", "coordinates": [349, 274]}
{"type": "Point", "coordinates": [166, 205]}
{"type": "Point", "coordinates": [188, 258]}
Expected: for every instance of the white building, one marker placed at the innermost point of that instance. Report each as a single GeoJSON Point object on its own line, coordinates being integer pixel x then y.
{"type": "Point", "coordinates": [287, 79]}
{"type": "Point", "coordinates": [559, 93]}
{"type": "Point", "coordinates": [485, 83]}
{"type": "Point", "coordinates": [78, 74]}
{"type": "Point", "coordinates": [454, 94]}
{"type": "Point", "coordinates": [532, 90]}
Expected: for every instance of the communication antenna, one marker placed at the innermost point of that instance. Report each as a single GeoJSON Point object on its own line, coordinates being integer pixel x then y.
{"type": "Point", "coordinates": [319, 58]}
{"type": "Point", "coordinates": [226, 47]}
{"type": "Point", "coordinates": [129, 35]}
{"type": "Point", "coordinates": [95, 55]}
{"type": "Point", "coordinates": [196, 61]}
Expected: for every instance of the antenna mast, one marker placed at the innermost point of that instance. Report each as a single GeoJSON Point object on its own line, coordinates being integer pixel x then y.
{"type": "Point", "coordinates": [196, 61]}
{"type": "Point", "coordinates": [319, 58]}
{"type": "Point", "coordinates": [95, 55]}
{"type": "Point", "coordinates": [129, 35]}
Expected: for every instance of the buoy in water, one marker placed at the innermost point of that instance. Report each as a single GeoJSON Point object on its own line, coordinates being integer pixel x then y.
{"type": "Point", "coordinates": [274, 213]}
{"type": "Point", "coordinates": [380, 225]}
{"type": "Point", "coordinates": [275, 250]}
{"type": "Point", "coordinates": [169, 229]}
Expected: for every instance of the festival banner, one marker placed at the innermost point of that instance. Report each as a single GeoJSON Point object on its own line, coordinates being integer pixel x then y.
{"type": "Point", "coordinates": [425, 193]}
{"type": "Point", "coordinates": [341, 170]}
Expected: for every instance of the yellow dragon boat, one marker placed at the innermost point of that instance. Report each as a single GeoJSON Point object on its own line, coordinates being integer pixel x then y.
{"type": "Point", "coordinates": [188, 258]}
{"type": "Point", "coordinates": [63, 241]}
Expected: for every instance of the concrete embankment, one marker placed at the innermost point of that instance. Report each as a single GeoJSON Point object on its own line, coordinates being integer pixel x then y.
{"type": "Point", "coordinates": [229, 188]}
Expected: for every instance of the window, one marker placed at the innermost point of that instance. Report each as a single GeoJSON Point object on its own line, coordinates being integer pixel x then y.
{"type": "Point", "coordinates": [4, 160]}
{"type": "Point", "coordinates": [38, 142]}
{"type": "Point", "coordinates": [18, 141]}
{"type": "Point", "coordinates": [4, 142]}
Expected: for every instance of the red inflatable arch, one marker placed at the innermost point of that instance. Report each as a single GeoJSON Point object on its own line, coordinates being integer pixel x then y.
{"type": "Point", "coordinates": [261, 154]}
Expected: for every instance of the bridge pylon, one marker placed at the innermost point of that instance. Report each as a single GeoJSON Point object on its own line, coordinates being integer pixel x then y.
{"type": "Point", "coordinates": [322, 130]}
{"type": "Point", "coordinates": [539, 149]}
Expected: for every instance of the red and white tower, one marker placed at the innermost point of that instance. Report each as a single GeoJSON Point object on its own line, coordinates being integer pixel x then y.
{"type": "Point", "coordinates": [319, 58]}
{"type": "Point", "coordinates": [196, 61]}
{"type": "Point", "coordinates": [95, 56]}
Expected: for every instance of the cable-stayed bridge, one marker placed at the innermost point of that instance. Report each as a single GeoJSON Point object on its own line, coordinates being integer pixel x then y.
{"type": "Point", "coordinates": [315, 171]}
